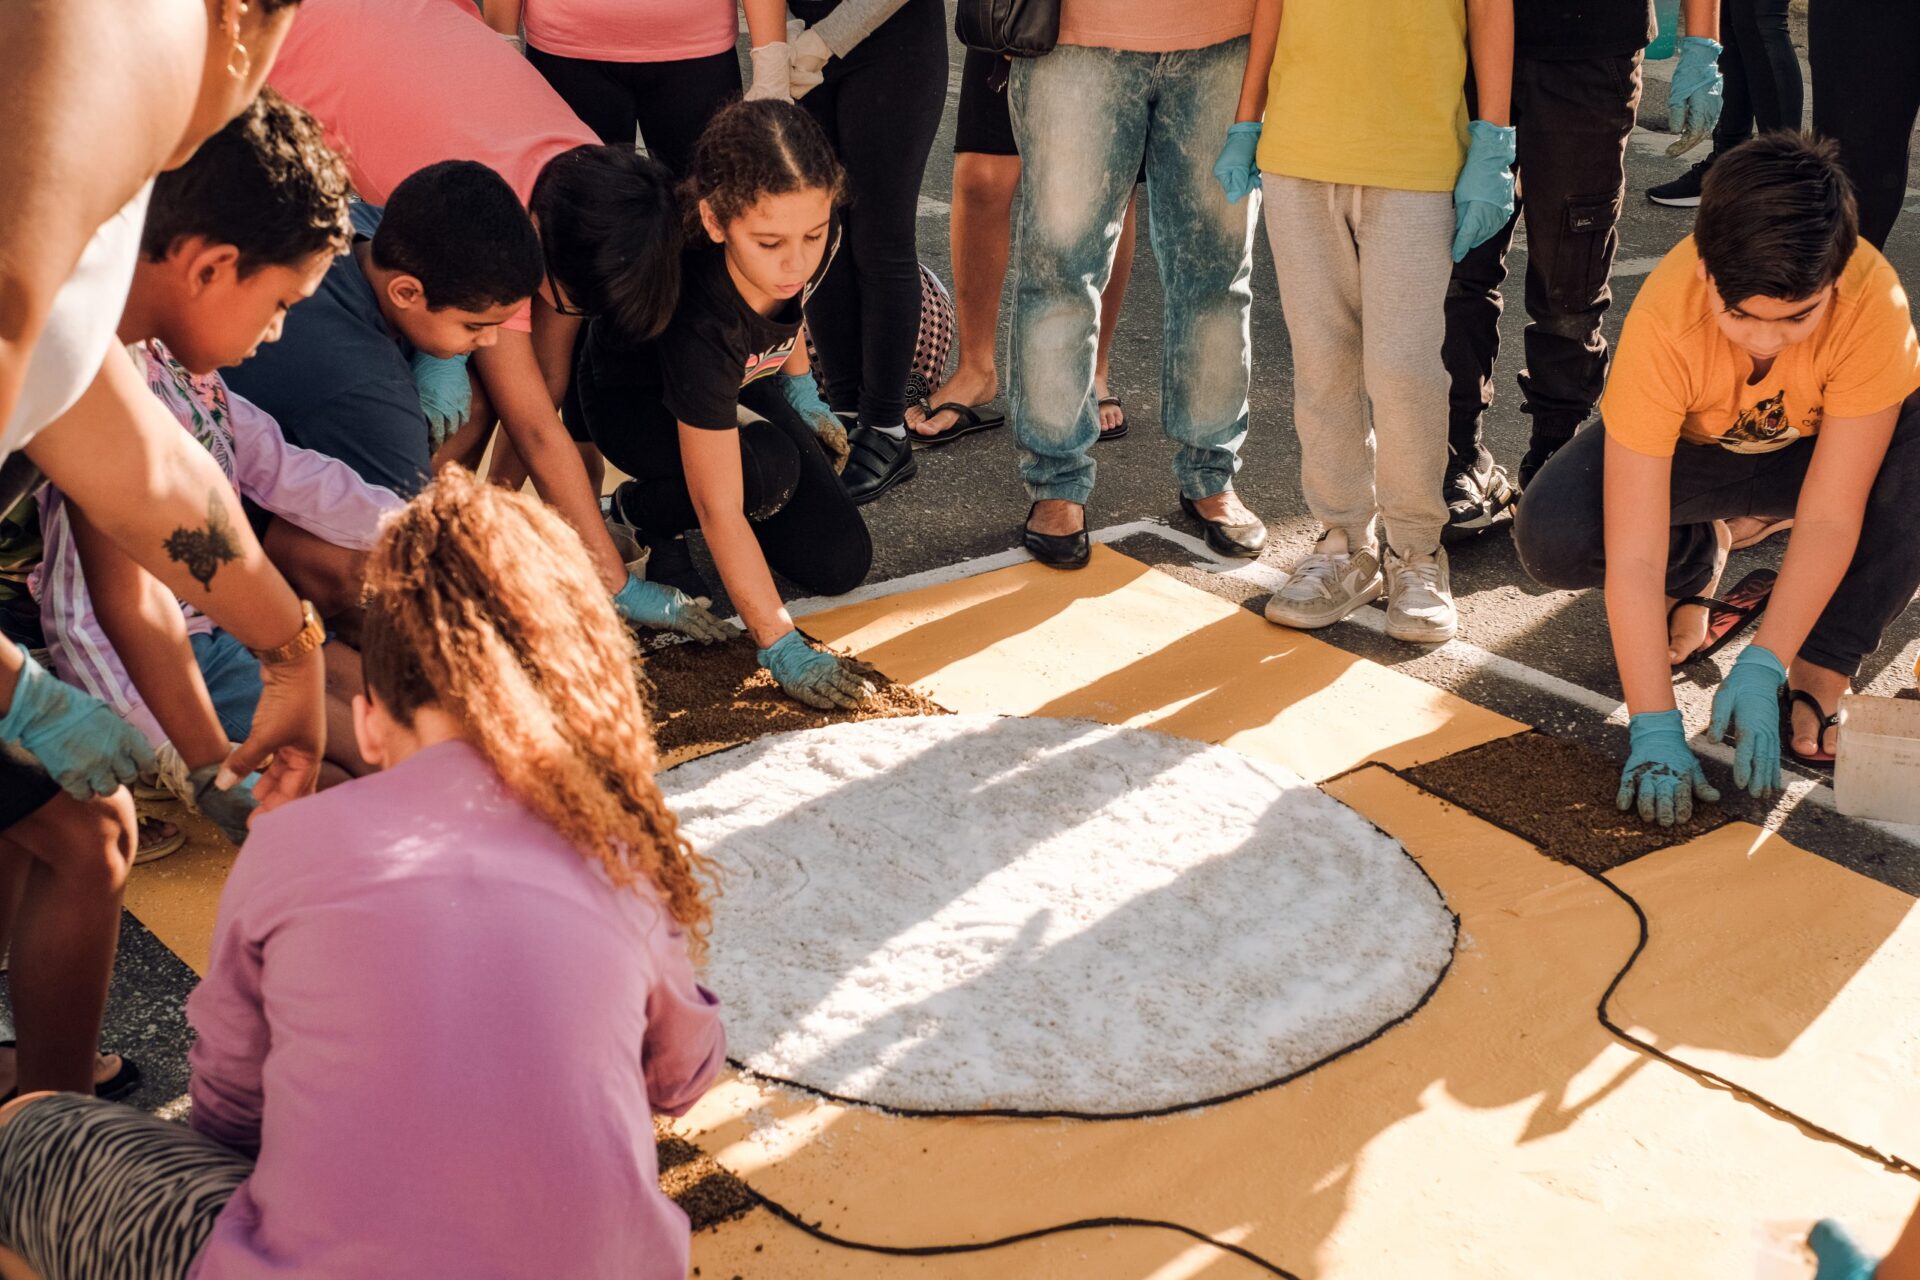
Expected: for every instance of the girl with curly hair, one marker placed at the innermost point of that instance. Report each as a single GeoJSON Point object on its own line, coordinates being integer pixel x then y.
{"type": "Point", "coordinates": [718, 418]}
{"type": "Point", "coordinates": [444, 1001]}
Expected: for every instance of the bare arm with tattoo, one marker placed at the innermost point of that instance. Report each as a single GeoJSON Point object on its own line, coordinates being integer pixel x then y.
{"type": "Point", "coordinates": [168, 506]}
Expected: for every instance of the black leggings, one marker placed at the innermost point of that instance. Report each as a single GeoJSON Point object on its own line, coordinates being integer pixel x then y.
{"type": "Point", "coordinates": [1866, 92]}
{"type": "Point", "coordinates": [1761, 72]}
{"type": "Point", "coordinates": [809, 530]}
{"type": "Point", "coordinates": [668, 102]}
{"type": "Point", "coordinates": [880, 106]}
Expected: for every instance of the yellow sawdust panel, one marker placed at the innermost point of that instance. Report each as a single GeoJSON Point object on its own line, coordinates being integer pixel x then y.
{"type": "Point", "coordinates": [178, 897]}
{"type": "Point", "coordinates": [760, 1246]}
{"type": "Point", "coordinates": [1787, 973]}
{"type": "Point", "coordinates": [1501, 1132]}
{"type": "Point", "coordinates": [1122, 643]}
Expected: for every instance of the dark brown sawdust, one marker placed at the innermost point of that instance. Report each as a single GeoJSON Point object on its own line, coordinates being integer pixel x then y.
{"type": "Point", "coordinates": [705, 1192]}
{"type": "Point", "coordinates": [706, 697]}
{"type": "Point", "coordinates": [1559, 795]}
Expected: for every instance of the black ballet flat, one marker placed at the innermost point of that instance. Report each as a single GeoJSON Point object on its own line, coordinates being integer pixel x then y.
{"type": "Point", "coordinates": [1226, 538]}
{"type": "Point", "coordinates": [1057, 550]}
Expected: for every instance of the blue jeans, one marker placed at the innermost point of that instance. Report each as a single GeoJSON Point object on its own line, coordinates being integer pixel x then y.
{"type": "Point", "coordinates": [1083, 119]}
{"type": "Point", "coordinates": [233, 681]}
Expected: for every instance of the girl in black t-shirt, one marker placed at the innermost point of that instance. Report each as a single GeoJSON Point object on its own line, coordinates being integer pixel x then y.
{"type": "Point", "coordinates": [718, 419]}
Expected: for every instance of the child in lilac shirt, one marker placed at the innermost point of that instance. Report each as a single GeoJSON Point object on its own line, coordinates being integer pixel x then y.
{"type": "Point", "coordinates": [444, 1001]}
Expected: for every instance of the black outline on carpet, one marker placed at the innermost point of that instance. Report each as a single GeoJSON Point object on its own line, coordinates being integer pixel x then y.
{"type": "Point", "coordinates": [814, 1229]}
{"type": "Point", "coordinates": [1152, 1113]}
{"type": "Point", "coordinates": [1083, 1224]}
{"type": "Point", "coordinates": [1709, 1079]}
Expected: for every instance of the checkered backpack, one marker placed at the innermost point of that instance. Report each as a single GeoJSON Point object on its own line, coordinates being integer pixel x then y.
{"type": "Point", "coordinates": [931, 348]}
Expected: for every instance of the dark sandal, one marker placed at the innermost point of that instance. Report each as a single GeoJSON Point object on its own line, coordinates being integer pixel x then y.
{"type": "Point", "coordinates": [1791, 698]}
{"type": "Point", "coordinates": [1114, 432]}
{"type": "Point", "coordinates": [1729, 615]}
{"type": "Point", "coordinates": [121, 1084]}
{"type": "Point", "coordinates": [967, 419]}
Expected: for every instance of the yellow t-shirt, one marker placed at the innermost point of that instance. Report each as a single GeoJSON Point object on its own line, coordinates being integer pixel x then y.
{"type": "Point", "coordinates": [1676, 376]}
{"type": "Point", "coordinates": [1373, 100]}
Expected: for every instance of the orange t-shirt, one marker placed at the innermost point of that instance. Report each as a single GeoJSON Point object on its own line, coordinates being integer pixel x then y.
{"type": "Point", "coordinates": [402, 84]}
{"type": "Point", "coordinates": [1676, 376]}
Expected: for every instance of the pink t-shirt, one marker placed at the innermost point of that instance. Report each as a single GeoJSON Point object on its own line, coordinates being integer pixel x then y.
{"type": "Point", "coordinates": [402, 84]}
{"type": "Point", "coordinates": [1153, 28]}
{"type": "Point", "coordinates": [445, 1034]}
{"type": "Point", "coordinates": [631, 30]}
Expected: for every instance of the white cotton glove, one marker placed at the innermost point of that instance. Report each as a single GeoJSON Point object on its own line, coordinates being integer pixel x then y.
{"type": "Point", "coordinates": [810, 55]}
{"type": "Point", "coordinates": [770, 73]}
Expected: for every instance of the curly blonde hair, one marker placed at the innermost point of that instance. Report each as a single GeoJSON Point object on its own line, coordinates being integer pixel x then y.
{"type": "Point", "coordinates": [482, 602]}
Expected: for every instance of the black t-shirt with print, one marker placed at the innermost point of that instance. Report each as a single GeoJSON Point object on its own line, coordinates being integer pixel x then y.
{"type": "Point", "coordinates": [1562, 29]}
{"type": "Point", "coordinates": [714, 345]}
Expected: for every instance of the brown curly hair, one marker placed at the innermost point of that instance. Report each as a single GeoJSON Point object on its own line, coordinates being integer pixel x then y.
{"type": "Point", "coordinates": [268, 184]}
{"type": "Point", "coordinates": [482, 602]}
{"type": "Point", "coordinates": [755, 149]}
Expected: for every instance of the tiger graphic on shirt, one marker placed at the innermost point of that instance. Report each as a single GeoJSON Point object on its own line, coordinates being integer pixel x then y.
{"type": "Point", "coordinates": [1763, 427]}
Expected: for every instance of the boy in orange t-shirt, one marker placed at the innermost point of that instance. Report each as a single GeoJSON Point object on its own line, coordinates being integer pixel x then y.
{"type": "Point", "coordinates": [1768, 368]}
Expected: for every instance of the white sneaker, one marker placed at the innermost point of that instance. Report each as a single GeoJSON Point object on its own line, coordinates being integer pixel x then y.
{"type": "Point", "coordinates": [1327, 585]}
{"type": "Point", "coordinates": [1420, 598]}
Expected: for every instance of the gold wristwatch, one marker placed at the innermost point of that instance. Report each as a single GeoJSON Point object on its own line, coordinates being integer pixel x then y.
{"type": "Point", "coordinates": [312, 634]}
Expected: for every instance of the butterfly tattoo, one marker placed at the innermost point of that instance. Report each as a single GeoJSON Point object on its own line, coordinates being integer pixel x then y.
{"type": "Point", "coordinates": [203, 551]}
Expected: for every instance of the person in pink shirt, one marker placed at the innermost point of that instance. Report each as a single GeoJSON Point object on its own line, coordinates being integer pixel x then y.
{"type": "Point", "coordinates": [445, 1001]}
{"type": "Point", "coordinates": [661, 67]}
{"type": "Point", "coordinates": [402, 84]}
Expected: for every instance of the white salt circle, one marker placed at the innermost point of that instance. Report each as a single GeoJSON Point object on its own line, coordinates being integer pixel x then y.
{"type": "Point", "coordinates": [974, 913]}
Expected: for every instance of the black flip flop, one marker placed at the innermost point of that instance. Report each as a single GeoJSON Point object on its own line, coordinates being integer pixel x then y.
{"type": "Point", "coordinates": [1791, 698]}
{"type": "Point", "coordinates": [1114, 432]}
{"type": "Point", "coordinates": [967, 419]}
{"type": "Point", "coordinates": [1729, 615]}
{"type": "Point", "coordinates": [121, 1084]}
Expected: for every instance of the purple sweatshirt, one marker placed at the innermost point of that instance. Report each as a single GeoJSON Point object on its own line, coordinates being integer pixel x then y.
{"type": "Point", "coordinates": [444, 1034]}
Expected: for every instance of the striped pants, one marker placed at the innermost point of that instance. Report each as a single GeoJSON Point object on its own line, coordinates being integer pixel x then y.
{"type": "Point", "coordinates": [93, 1190]}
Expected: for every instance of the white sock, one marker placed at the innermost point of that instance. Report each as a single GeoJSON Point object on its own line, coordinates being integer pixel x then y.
{"type": "Point", "coordinates": [898, 431]}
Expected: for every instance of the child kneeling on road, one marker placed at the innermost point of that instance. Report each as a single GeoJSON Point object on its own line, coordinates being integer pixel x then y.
{"type": "Point", "coordinates": [234, 238]}
{"type": "Point", "coordinates": [1767, 368]}
{"type": "Point", "coordinates": [444, 1001]}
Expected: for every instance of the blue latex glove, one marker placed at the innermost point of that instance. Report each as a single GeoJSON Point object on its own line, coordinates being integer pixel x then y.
{"type": "Point", "coordinates": [1839, 1257]}
{"type": "Point", "coordinates": [655, 604]}
{"type": "Point", "coordinates": [1236, 169]}
{"type": "Point", "coordinates": [1748, 703]}
{"type": "Point", "coordinates": [229, 809]}
{"type": "Point", "coordinates": [814, 676]}
{"type": "Point", "coordinates": [803, 393]}
{"type": "Point", "coordinates": [1662, 774]}
{"type": "Point", "coordinates": [1693, 103]}
{"type": "Point", "coordinates": [446, 396]}
{"type": "Point", "coordinates": [1483, 193]}
{"type": "Point", "coordinates": [89, 750]}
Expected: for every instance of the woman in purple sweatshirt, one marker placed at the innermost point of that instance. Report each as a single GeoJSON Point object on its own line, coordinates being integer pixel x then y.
{"type": "Point", "coordinates": [444, 1000]}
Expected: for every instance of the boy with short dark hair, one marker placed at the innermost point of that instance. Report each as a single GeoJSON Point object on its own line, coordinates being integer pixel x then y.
{"type": "Point", "coordinates": [1767, 368]}
{"type": "Point", "coordinates": [450, 258]}
{"type": "Point", "coordinates": [235, 238]}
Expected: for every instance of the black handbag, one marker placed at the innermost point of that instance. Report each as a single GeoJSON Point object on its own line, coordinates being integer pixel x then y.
{"type": "Point", "coordinates": [1010, 28]}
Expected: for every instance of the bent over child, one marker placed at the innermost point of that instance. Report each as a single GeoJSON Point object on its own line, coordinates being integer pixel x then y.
{"type": "Point", "coordinates": [718, 418]}
{"type": "Point", "coordinates": [444, 1002]}
{"type": "Point", "coordinates": [1767, 369]}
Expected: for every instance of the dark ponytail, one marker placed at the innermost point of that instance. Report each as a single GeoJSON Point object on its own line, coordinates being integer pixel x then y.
{"type": "Point", "coordinates": [610, 230]}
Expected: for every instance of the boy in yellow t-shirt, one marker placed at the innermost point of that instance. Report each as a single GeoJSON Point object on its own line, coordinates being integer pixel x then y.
{"type": "Point", "coordinates": [1768, 368]}
{"type": "Point", "coordinates": [1375, 184]}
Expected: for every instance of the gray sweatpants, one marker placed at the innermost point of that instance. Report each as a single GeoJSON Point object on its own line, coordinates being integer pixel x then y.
{"type": "Point", "coordinates": [1363, 281]}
